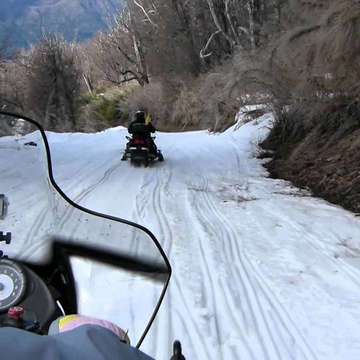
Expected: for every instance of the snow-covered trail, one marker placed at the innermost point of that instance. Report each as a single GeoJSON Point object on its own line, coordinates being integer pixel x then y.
{"type": "Point", "coordinates": [261, 270]}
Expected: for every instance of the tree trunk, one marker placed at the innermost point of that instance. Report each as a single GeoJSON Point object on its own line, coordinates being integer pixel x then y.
{"type": "Point", "coordinates": [138, 49]}
{"type": "Point", "coordinates": [254, 9]}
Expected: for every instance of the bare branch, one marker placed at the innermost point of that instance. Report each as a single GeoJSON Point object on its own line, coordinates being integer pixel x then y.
{"type": "Point", "coordinates": [204, 49]}
{"type": "Point", "coordinates": [229, 19]}
{"type": "Point", "coordinates": [217, 22]}
{"type": "Point", "coordinates": [145, 12]}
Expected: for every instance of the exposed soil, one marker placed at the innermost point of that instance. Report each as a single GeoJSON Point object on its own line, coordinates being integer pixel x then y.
{"type": "Point", "coordinates": [323, 156]}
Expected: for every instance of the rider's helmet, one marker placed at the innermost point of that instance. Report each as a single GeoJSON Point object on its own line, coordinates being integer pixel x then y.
{"type": "Point", "coordinates": [140, 116]}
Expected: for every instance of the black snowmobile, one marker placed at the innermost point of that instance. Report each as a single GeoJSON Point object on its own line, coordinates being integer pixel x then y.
{"type": "Point", "coordinates": [141, 147]}
{"type": "Point", "coordinates": [49, 249]}
{"type": "Point", "coordinates": [141, 151]}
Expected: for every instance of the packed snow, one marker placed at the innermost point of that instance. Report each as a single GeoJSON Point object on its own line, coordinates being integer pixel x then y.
{"type": "Point", "coordinates": [261, 270]}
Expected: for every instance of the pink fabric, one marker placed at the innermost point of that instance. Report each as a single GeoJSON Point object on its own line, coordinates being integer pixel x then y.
{"type": "Point", "coordinates": [71, 322]}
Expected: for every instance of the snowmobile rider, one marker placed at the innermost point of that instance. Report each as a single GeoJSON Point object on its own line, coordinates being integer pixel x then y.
{"type": "Point", "coordinates": [72, 337]}
{"type": "Point", "coordinates": [141, 127]}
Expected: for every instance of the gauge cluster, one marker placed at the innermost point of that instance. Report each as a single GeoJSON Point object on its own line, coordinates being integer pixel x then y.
{"type": "Point", "coordinates": [12, 284]}
{"type": "Point", "coordinates": [21, 286]}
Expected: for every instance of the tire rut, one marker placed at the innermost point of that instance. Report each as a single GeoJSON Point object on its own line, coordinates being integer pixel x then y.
{"type": "Point", "coordinates": [68, 212]}
{"type": "Point", "coordinates": [158, 186]}
{"type": "Point", "coordinates": [252, 287]}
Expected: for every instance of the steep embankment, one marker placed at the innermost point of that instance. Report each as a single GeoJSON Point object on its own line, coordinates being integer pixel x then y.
{"type": "Point", "coordinates": [322, 154]}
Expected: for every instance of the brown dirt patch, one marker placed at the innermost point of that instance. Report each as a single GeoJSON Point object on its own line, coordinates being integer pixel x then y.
{"type": "Point", "coordinates": [324, 157]}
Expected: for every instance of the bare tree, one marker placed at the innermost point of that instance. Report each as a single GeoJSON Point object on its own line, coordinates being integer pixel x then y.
{"type": "Point", "coordinates": [167, 36]}
{"type": "Point", "coordinates": [244, 24]}
{"type": "Point", "coordinates": [53, 83]}
{"type": "Point", "coordinates": [91, 74]}
{"type": "Point", "coordinates": [12, 92]}
{"type": "Point", "coordinates": [120, 57]}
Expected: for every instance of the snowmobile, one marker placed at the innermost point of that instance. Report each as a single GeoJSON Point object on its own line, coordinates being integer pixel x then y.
{"type": "Point", "coordinates": [139, 151]}
{"type": "Point", "coordinates": [60, 258]}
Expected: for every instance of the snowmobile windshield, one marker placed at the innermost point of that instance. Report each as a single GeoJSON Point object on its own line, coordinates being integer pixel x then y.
{"type": "Point", "coordinates": [34, 212]}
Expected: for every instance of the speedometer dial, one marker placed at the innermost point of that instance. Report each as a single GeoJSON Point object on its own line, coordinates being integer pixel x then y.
{"type": "Point", "coordinates": [12, 284]}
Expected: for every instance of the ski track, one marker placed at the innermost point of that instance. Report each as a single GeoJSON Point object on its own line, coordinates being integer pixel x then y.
{"type": "Point", "coordinates": [352, 273]}
{"type": "Point", "coordinates": [68, 212]}
{"type": "Point", "coordinates": [156, 187]}
{"type": "Point", "coordinates": [312, 242]}
{"type": "Point", "coordinates": [253, 289]}
{"type": "Point", "coordinates": [282, 315]}
{"type": "Point", "coordinates": [257, 296]}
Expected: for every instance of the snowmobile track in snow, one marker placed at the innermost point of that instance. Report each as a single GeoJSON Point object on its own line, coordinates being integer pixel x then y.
{"type": "Point", "coordinates": [275, 338]}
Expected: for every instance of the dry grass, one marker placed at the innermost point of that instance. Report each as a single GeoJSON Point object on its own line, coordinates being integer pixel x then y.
{"type": "Point", "coordinates": [209, 101]}
{"type": "Point", "coordinates": [315, 74]}
{"type": "Point", "coordinates": [322, 59]}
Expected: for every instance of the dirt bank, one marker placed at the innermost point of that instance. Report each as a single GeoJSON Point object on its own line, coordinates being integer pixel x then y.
{"type": "Point", "coordinates": [321, 153]}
